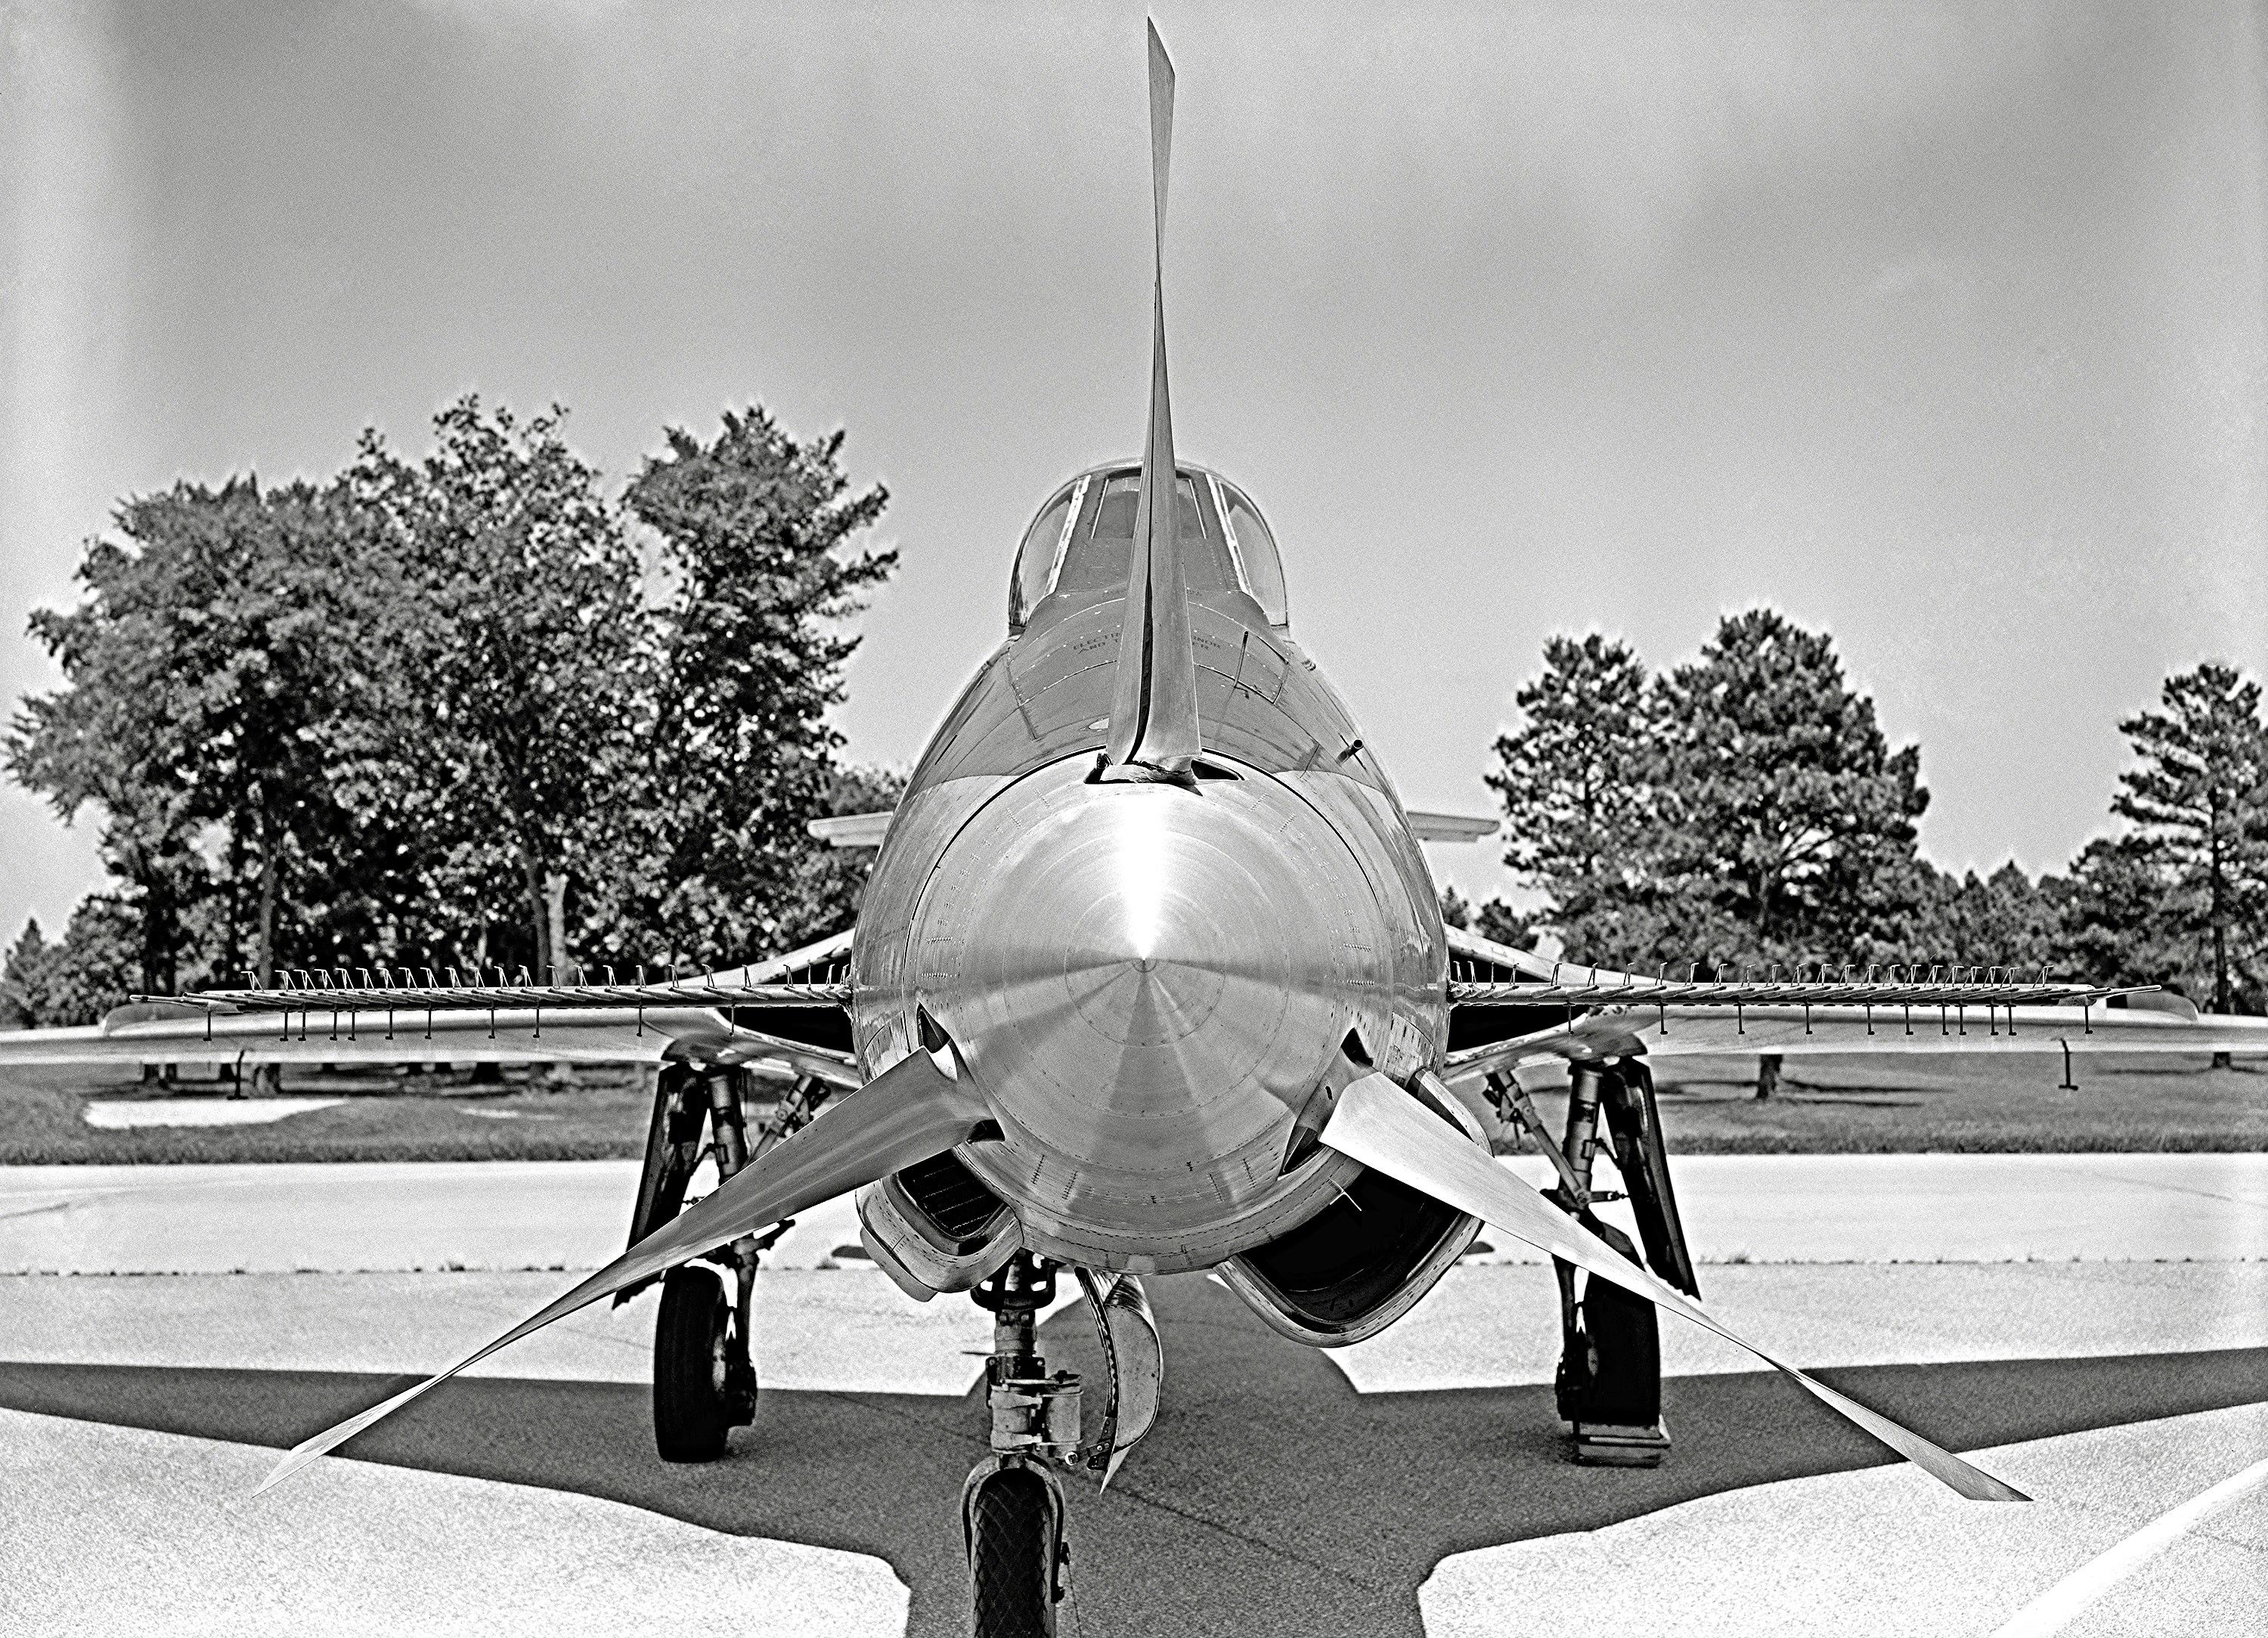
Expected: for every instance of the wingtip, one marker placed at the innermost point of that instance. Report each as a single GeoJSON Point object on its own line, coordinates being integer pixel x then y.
{"type": "Point", "coordinates": [295, 1459]}
{"type": "Point", "coordinates": [1997, 1489]}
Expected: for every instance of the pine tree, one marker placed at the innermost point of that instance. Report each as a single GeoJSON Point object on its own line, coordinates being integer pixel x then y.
{"type": "Point", "coordinates": [1580, 783]}
{"type": "Point", "coordinates": [1790, 821]}
{"type": "Point", "coordinates": [2199, 803]}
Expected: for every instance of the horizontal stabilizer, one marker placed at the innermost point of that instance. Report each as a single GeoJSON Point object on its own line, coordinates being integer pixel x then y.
{"type": "Point", "coordinates": [1387, 1129]}
{"type": "Point", "coordinates": [909, 1113]}
{"type": "Point", "coordinates": [1428, 827]}
{"type": "Point", "coordinates": [852, 830]}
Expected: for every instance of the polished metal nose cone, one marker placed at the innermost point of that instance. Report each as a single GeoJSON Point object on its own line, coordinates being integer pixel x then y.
{"type": "Point", "coordinates": [1145, 977]}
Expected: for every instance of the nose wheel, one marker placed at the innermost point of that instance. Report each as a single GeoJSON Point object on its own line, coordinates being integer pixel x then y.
{"type": "Point", "coordinates": [704, 1384]}
{"type": "Point", "coordinates": [1017, 1559]}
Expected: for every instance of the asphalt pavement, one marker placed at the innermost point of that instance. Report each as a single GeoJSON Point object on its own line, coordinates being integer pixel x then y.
{"type": "Point", "coordinates": [1416, 1483]}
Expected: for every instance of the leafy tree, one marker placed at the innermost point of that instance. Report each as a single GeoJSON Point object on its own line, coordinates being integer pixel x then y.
{"type": "Point", "coordinates": [213, 713]}
{"type": "Point", "coordinates": [2199, 803]}
{"type": "Point", "coordinates": [1580, 781]}
{"type": "Point", "coordinates": [1790, 821]}
{"type": "Point", "coordinates": [755, 529]}
{"type": "Point", "coordinates": [516, 632]}
{"type": "Point", "coordinates": [120, 737]}
{"type": "Point", "coordinates": [1492, 919]}
{"type": "Point", "coordinates": [441, 712]}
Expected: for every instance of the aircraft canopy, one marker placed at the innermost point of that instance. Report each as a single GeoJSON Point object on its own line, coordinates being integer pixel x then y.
{"type": "Point", "coordinates": [1081, 545]}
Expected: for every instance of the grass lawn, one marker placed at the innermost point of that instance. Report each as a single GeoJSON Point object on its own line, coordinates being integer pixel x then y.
{"type": "Point", "coordinates": [1853, 1106]}
{"type": "Point", "coordinates": [1903, 1106]}
{"type": "Point", "coordinates": [386, 1116]}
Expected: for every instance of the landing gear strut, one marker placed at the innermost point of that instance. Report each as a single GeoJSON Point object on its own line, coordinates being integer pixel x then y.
{"type": "Point", "coordinates": [1608, 1384]}
{"type": "Point", "coordinates": [704, 1377]}
{"type": "Point", "coordinates": [1012, 1507]}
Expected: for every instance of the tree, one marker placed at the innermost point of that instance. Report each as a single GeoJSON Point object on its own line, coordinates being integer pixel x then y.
{"type": "Point", "coordinates": [119, 736]}
{"type": "Point", "coordinates": [517, 631]}
{"type": "Point", "coordinates": [2121, 921]}
{"type": "Point", "coordinates": [1580, 781]}
{"type": "Point", "coordinates": [2199, 803]}
{"type": "Point", "coordinates": [25, 982]}
{"type": "Point", "coordinates": [440, 712]}
{"type": "Point", "coordinates": [2004, 919]}
{"type": "Point", "coordinates": [1744, 809]}
{"type": "Point", "coordinates": [214, 713]}
{"type": "Point", "coordinates": [78, 977]}
{"type": "Point", "coordinates": [1790, 822]}
{"type": "Point", "coordinates": [751, 640]}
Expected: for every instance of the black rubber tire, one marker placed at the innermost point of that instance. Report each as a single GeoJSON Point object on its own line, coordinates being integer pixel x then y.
{"type": "Point", "coordinates": [1626, 1338]}
{"type": "Point", "coordinates": [692, 1406]}
{"type": "Point", "coordinates": [1012, 1548]}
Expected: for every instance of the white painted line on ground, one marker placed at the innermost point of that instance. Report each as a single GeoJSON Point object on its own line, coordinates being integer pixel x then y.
{"type": "Point", "coordinates": [120, 1114]}
{"type": "Point", "coordinates": [2062, 1604]}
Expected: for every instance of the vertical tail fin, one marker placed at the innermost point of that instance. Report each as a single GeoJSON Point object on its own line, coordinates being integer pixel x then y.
{"type": "Point", "coordinates": [1153, 713]}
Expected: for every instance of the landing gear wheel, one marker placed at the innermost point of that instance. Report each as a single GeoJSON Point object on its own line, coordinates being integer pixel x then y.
{"type": "Point", "coordinates": [1016, 1555]}
{"type": "Point", "coordinates": [1609, 1380]}
{"type": "Point", "coordinates": [1616, 1376]}
{"type": "Point", "coordinates": [703, 1386]}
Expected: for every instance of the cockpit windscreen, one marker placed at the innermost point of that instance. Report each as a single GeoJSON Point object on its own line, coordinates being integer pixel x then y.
{"type": "Point", "coordinates": [1081, 545]}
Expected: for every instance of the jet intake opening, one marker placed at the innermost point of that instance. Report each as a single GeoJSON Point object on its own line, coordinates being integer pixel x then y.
{"type": "Point", "coordinates": [1356, 1254]}
{"type": "Point", "coordinates": [948, 1203]}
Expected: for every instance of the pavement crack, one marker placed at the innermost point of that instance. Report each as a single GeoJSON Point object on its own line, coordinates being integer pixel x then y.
{"type": "Point", "coordinates": [894, 1408]}
{"type": "Point", "coordinates": [33, 1211]}
{"type": "Point", "coordinates": [1273, 1549]}
{"type": "Point", "coordinates": [2106, 1175]}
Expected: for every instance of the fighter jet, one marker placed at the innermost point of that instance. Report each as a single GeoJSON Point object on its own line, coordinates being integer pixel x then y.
{"type": "Point", "coordinates": [1151, 977]}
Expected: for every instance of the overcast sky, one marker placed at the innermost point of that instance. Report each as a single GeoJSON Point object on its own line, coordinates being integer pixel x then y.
{"type": "Point", "coordinates": [1939, 326]}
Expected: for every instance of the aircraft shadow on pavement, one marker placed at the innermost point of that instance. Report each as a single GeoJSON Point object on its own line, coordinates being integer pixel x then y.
{"type": "Point", "coordinates": [1270, 1497]}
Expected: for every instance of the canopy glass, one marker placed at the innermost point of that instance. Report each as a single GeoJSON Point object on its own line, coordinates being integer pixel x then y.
{"type": "Point", "coordinates": [1081, 545]}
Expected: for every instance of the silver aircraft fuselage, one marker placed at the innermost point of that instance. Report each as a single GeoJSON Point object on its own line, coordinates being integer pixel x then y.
{"type": "Point", "coordinates": [1149, 982]}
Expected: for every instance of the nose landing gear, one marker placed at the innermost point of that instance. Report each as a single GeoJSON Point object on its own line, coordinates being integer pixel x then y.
{"type": "Point", "coordinates": [1012, 1507]}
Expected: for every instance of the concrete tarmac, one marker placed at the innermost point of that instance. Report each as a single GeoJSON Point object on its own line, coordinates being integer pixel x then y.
{"type": "Point", "coordinates": [1414, 1483]}
{"type": "Point", "coordinates": [345, 1218]}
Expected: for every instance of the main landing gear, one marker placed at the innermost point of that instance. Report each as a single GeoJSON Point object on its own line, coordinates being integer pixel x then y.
{"type": "Point", "coordinates": [1608, 1384]}
{"type": "Point", "coordinates": [704, 1377]}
